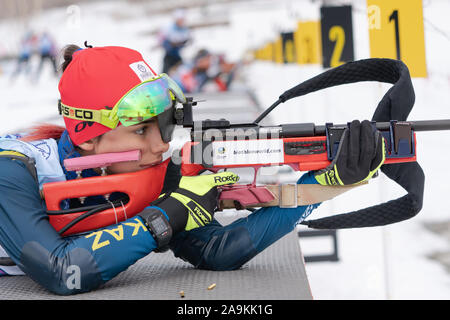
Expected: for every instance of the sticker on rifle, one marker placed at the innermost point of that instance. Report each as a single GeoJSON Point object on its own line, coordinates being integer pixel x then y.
{"type": "Point", "coordinates": [264, 151]}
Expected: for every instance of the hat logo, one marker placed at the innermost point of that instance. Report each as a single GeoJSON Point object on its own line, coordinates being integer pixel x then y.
{"type": "Point", "coordinates": [82, 125]}
{"type": "Point", "coordinates": [141, 68]}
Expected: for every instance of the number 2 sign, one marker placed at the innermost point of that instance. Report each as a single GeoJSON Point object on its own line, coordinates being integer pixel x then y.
{"type": "Point", "coordinates": [396, 31]}
{"type": "Point", "coordinates": [337, 35]}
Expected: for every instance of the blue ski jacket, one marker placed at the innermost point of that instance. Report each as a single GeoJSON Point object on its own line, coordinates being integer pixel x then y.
{"type": "Point", "coordinates": [96, 257]}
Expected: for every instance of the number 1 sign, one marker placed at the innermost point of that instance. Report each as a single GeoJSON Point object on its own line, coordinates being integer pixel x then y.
{"type": "Point", "coordinates": [396, 31]}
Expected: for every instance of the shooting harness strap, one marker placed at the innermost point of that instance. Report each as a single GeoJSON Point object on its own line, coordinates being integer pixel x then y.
{"type": "Point", "coordinates": [396, 104]}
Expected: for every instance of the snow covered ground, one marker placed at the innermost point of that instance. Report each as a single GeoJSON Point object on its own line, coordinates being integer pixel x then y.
{"type": "Point", "coordinates": [378, 263]}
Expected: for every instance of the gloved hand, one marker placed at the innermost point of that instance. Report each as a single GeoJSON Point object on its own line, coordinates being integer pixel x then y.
{"type": "Point", "coordinates": [193, 203]}
{"type": "Point", "coordinates": [360, 154]}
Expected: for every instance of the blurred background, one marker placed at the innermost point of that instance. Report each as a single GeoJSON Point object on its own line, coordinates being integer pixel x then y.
{"type": "Point", "coordinates": [238, 56]}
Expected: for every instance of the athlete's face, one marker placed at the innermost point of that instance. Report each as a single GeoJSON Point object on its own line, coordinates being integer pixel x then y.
{"type": "Point", "coordinates": [145, 137]}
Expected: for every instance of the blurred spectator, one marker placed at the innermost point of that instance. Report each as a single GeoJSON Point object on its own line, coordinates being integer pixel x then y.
{"type": "Point", "coordinates": [173, 39]}
{"type": "Point", "coordinates": [25, 51]}
{"type": "Point", "coordinates": [47, 51]}
{"type": "Point", "coordinates": [205, 69]}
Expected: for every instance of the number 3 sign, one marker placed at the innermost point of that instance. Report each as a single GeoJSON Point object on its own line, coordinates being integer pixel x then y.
{"type": "Point", "coordinates": [396, 32]}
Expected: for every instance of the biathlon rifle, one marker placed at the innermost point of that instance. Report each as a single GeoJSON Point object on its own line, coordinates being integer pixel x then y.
{"type": "Point", "coordinates": [219, 144]}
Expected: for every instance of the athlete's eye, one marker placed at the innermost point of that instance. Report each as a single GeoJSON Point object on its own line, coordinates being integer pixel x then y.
{"type": "Point", "coordinates": [141, 131]}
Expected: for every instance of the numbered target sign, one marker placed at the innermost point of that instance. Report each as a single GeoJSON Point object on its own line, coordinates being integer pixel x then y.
{"type": "Point", "coordinates": [266, 52]}
{"type": "Point", "coordinates": [289, 53]}
{"type": "Point", "coordinates": [337, 35]}
{"type": "Point", "coordinates": [396, 31]}
{"type": "Point", "coordinates": [307, 42]}
{"type": "Point", "coordinates": [278, 50]}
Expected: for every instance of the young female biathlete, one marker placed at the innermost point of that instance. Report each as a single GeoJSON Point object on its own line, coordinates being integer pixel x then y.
{"type": "Point", "coordinates": [116, 84]}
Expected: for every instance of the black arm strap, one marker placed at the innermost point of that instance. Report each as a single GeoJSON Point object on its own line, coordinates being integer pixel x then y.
{"type": "Point", "coordinates": [396, 104]}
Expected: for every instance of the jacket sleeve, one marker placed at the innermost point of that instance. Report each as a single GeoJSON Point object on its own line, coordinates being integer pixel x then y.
{"type": "Point", "coordinates": [62, 265]}
{"type": "Point", "coordinates": [217, 247]}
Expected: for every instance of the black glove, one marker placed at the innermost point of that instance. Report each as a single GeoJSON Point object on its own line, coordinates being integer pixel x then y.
{"type": "Point", "coordinates": [360, 154]}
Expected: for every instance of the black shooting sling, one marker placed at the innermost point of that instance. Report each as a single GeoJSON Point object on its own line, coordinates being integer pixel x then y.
{"type": "Point", "coordinates": [396, 104]}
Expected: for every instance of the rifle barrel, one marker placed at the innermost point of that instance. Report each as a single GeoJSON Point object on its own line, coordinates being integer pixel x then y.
{"type": "Point", "coordinates": [420, 125]}
{"type": "Point", "coordinates": [431, 125]}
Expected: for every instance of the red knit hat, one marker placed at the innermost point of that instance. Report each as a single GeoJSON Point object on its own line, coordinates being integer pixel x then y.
{"type": "Point", "coordinates": [97, 78]}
